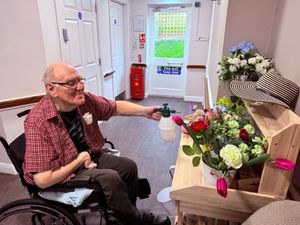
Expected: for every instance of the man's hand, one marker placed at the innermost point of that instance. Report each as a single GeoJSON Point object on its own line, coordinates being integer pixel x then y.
{"type": "Point", "coordinates": [151, 113]}
{"type": "Point", "coordinates": [86, 159]}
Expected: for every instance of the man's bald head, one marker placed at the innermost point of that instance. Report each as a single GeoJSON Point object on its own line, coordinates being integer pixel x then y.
{"type": "Point", "coordinates": [56, 71]}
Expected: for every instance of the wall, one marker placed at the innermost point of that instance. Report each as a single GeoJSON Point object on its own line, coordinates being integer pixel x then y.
{"type": "Point", "coordinates": [22, 60]}
{"type": "Point", "coordinates": [248, 21]}
{"type": "Point", "coordinates": [10, 127]}
{"type": "Point", "coordinates": [284, 47]}
{"type": "Point", "coordinates": [198, 48]}
{"type": "Point", "coordinates": [22, 55]}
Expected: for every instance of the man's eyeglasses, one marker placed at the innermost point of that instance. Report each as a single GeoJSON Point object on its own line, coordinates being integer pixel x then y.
{"type": "Point", "coordinates": [70, 84]}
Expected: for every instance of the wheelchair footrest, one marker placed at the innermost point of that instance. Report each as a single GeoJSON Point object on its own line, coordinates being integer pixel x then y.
{"type": "Point", "coordinates": [144, 189]}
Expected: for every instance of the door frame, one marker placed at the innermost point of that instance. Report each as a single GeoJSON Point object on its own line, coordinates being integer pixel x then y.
{"type": "Point", "coordinates": [150, 49]}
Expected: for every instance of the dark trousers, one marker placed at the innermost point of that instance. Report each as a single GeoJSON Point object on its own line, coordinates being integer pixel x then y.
{"type": "Point", "coordinates": [118, 177]}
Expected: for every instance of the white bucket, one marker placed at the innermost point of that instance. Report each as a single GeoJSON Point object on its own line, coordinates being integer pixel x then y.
{"type": "Point", "coordinates": [211, 175]}
{"type": "Point", "coordinates": [167, 203]}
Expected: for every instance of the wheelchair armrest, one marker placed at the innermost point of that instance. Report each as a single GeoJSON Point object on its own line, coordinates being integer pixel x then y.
{"type": "Point", "coordinates": [82, 182]}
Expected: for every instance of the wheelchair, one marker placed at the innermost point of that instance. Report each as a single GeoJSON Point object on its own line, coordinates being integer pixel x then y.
{"type": "Point", "coordinates": [36, 210]}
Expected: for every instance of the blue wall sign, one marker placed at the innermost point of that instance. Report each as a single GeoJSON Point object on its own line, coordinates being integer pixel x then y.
{"type": "Point", "coordinates": [171, 70]}
{"type": "Point", "coordinates": [79, 15]}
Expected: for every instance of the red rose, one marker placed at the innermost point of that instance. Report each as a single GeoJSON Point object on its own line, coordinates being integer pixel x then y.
{"type": "Point", "coordinates": [244, 134]}
{"type": "Point", "coordinates": [198, 126]}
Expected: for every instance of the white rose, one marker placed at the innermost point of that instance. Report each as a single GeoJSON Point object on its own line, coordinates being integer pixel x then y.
{"type": "Point", "coordinates": [232, 68]}
{"type": "Point", "coordinates": [235, 61]}
{"type": "Point", "coordinates": [258, 67]}
{"type": "Point", "coordinates": [243, 63]}
{"type": "Point", "coordinates": [259, 58]}
{"type": "Point", "coordinates": [232, 156]}
{"type": "Point", "coordinates": [252, 61]}
{"type": "Point", "coordinates": [265, 63]}
{"type": "Point", "coordinates": [219, 68]}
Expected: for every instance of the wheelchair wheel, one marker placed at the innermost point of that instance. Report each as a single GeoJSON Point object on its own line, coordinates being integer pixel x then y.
{"type": "Point", "coordinates": [35, 212]}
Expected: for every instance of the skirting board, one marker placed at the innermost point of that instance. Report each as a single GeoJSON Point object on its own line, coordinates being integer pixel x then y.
{"type": "Point", "coordinates": [194, 99]}
{"type": "Point", "coordinates": [7, 168]}
{"type": "Point", "coordinates": [147, 94]}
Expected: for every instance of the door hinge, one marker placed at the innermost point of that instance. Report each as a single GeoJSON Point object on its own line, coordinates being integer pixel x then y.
{"type": "Point", "coordinates": [99, 62]}
{"type": "Point", "coordinates": [65, 35]}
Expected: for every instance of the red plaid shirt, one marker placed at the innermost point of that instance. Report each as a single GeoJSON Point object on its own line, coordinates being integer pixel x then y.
{"type": "Point", "coordinates": [48, 144]}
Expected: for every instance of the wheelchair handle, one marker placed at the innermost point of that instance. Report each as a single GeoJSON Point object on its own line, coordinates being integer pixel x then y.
{"type": "Point", "coordinates": [23, 113]}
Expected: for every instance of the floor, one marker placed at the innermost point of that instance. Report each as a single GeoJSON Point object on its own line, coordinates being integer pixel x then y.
{"type": "Point", "coordinates": [137, 138]}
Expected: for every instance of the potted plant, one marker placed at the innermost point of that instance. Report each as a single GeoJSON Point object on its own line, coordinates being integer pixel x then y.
{"type": "Point", "coordinates": [225, 140]}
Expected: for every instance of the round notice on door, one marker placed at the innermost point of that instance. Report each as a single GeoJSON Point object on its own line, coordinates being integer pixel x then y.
{"type": "Point", "coordinates": [79, 15]}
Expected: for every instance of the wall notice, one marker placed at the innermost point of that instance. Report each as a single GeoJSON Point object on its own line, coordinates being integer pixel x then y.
{"type": "Point", "coordinates": [172, 70]}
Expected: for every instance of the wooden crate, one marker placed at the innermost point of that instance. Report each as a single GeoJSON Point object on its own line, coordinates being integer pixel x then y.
{"type": "Point", "coordinates": [282, 129]}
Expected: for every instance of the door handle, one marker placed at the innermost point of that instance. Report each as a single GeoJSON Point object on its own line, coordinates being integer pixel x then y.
{"type": "Point", "coordinates": [109, 73]}
{"type": "Point", "coordinates": [65, 35]}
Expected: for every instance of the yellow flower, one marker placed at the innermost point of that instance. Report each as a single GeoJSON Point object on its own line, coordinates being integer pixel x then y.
{"type": "Point", "coordinates": [205, 148]}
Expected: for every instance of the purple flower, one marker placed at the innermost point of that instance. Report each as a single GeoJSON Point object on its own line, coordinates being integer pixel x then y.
{"type": "Point", "coordinates": [222, 187]}
{"type": "Point", "coordinates": [284, 164]}
{"type": "Point", "coordinates": [192, 108]}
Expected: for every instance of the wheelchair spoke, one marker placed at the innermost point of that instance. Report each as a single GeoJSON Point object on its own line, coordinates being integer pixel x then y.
{"type": "Point", "coordinates": [31, 212]}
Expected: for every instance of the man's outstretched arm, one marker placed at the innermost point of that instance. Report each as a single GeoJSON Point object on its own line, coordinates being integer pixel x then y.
{"type": "Point", "coordinates": [125, 108]}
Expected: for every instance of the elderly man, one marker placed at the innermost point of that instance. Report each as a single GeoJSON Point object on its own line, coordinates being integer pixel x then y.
{"type": "Point", "coordinates": [61, 133]}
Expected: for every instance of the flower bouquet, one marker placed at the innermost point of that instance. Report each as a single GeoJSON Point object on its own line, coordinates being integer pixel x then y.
{"type": "Point", "coordinates": [243, 63]}
{"type": "Point", "coordinates": [225, 139]}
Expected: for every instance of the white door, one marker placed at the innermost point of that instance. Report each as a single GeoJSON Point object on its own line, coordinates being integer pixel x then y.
{"type": "Point", "coordinates": [78, 39]}
{"type": "Point", "coordinates": [168, 50]}
{"type": "Point", "coordinates": [117, 46]}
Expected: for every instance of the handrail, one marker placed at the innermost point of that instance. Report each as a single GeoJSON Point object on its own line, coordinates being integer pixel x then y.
{"type": "Point", "coordinates": [196, 67]}
{"type": "Point", "coordinates": [139, 64]}
{"type": "Point", "coordinates": [20, 101]}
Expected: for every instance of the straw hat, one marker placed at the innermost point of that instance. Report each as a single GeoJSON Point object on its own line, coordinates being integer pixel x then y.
{"type": "Point", "coordinates": [271, 87]}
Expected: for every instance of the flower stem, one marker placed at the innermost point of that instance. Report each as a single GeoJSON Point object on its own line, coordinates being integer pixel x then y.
{"type": "Point", "coordinates": [192, 136]}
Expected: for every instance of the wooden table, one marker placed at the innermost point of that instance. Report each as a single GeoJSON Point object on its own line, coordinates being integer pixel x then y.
{"type": "Point", "coordinates": [193, 196]}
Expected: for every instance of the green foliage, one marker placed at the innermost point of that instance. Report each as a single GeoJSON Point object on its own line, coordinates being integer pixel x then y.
{"type": "Point", "coordinates": [196, 161]}
{"type": "Point", "coordinates": [226, 137]}
{"type": "Point", "coordinates": [188, 150]}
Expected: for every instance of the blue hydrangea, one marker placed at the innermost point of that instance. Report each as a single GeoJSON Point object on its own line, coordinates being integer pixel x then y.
{"type": "Point", "coordinates": [244, 47]}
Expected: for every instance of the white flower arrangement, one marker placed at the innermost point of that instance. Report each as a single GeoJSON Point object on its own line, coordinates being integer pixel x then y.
{"type": "Point", "coordinates": [243, 62]}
